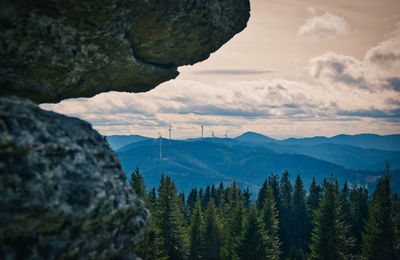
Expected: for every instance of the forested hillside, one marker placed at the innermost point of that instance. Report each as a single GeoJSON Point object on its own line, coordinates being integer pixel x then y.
{"type": "Point", "coordinates": [285, 221]}
{"type": "Point", "coordinates": [210, 161]}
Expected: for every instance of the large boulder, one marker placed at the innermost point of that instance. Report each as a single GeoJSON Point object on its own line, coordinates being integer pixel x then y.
{"type": "Point", "coordinates": [63, 194]}
{"type": "Point", "coordinates": [51, 50]}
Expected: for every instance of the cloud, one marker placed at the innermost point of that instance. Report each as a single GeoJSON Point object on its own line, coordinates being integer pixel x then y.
{"type": "Point", "coordinates": [324, 26]}
{"type": "Point", "coordinates": [337, 68]}
{"type": "Point", "coordinates": [372, 113]}
{"type": "Point", "coordinates": [378, 70]}
{"type": "Point", "coordinates": [233, 72]}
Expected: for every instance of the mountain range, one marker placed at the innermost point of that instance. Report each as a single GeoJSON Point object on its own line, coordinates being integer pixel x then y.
{"type": "Point", "coordinates": [251, 157]}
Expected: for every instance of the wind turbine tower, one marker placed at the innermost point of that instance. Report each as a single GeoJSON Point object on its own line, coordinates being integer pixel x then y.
{"type": "Point", "coordinates": [202, 130]}
{"type": "Point", "coordinates": [226, 134]}
{"type": "Point", "coordinates": [160, 145]}
{"type": "Point", "coordinates": [213, 136]}
{"type": "Point", "coordinates": [169, 125]}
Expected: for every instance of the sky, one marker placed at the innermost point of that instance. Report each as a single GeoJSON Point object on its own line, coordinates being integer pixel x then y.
{"type": "Point", "coordinates": [300, 68]}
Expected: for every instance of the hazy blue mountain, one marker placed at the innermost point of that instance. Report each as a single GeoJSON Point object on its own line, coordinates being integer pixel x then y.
{"type": "Point", "coordinates": [348, 156]}
{"type": "Point", "coordinates": [198, 163]}
{"type": "Point", "coordinates": [255, 138]}
{"type": "Point", "coordinates": [118, 141]}
{"type": "Point", "coordinates": [323, 148]}
{"type": "Point", "coordinates": [381, 142]}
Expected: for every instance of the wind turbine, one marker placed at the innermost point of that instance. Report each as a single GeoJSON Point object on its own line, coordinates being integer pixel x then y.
{"type": "Point", "coordinates": [213, 136]}
{"type": "Point", "coordinates": [202, 130]}
{"type": "Point", "coordinates": [160, 138]}
{"type": "Point", "coordinates": [226, 134]}
{"type": "Point", "coordinates": [169, 128]}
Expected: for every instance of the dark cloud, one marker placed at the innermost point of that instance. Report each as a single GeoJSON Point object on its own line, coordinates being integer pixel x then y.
{"type": "Point", "coordinates": [338, 69]}
{"type": "Point", "coordinates": [233, 72]}
{"type": "Point", "coordinates": [394, 84]}
{"type": "Point", "coordinates": [372, 113]}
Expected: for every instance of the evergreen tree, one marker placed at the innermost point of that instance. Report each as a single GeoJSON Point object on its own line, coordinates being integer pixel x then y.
{"type": "Point", "coordinates": [150, 199]}
{"type": "Point", "coordinates": [213, 238]}
{"type": "Point", "coordinates": [269, 220]}
{"type": "Point", "coordinates": [358, 215]}
{"type": "Point", "coordinates": [234, 231]}
{"type": "Point", "coordinates": [206, 198]}
{"type": "Point", "coordinates": [137, 183]}
{"type": "Point", "coordinates": [192, 198]}
{"type": "Point", "coordinates": [286, 213]}
{"type": "Point", "coordinates": [300, 219]}
{"type": "Point", "coordinates": [396, 222]}
{"type": "Point", "coordinates": [345, 204]}
{"type": "Point", "coordinates": [215, 196]}
{"type": "Point", "coordinates": [246, 198]}
{"type": "Point", "coordinates": [273, 181]}
{"type": "Point", "coordinates": [195, 239]}
{"type": "Point", "coordinates": [262, 193]}
{"type": "Point", "coordinates": [252, 244]}
{"type": "Point", "coordinates": [314, 197]}
{"type": "Point", "coordinates": [378, 241]}
{"type": "Point", "coordinates": [169, 221]}
{"type": "Point", "coordinates": [183, 208]}
{"type": "Point", "coordinates": [201, 197]}
{"type": "Point", "coordinates": [221, 194]}
{"type": "Point", "coordinates": [329, 239]}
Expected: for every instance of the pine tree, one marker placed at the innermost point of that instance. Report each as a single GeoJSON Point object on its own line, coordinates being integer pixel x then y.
{"type": "Point", "coordinates": [215, 196]}
{"type": "Point", "coordinates": [169, 221]}
{"type": "Point", "coordinates": [300, 219]}
{"type": "Point", "coordinates": [269, 220]}
{"type": "Point", "coordinates": [184, 208]}
{"type": "Point", "coordinates": [246, 198]}
{"type": "Point", "coordinates": [329, 239]}
{"type": "Point", "coordinates": [378, 241]}
{"type": "Point", "coordinates": [206, 198]}
{"type": "Point", "coordinates": [345, 204]}
{"type": "Point", "coordinates": [137, 183]}
{"type": "Point", "coordinates": [262, 193]}
{"type": "Point", "coordinates": [358, 215]}
{"type": "Point", "coordinates": [286, 213]}
{"type": "Point", "coordinates": [273, 181]}
{"type": "Point", "coordinates": [314, 196]}
{"type": "Point", "coordinates": [252, 244]}
{"type": "Point", "coordinates": [396, 222]}
{"type": "Point", "coordinates": [233, 233]}
{"type": "Point", "coordinates": [195, 239]}
{"type": "Point", "coordinates": [192, 198]}
{"type": "Point", "coordinates": [212, 238]}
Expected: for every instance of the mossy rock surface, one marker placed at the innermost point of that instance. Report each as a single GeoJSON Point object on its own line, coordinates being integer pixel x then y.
{"type": "Point", "coordinates": [51, 50]}
{"type": "Point", "coordinates": [63, 194]}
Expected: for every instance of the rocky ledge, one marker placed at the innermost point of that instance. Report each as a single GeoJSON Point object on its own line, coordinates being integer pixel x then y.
{"type": "Point", "coordinates": [51, 50]}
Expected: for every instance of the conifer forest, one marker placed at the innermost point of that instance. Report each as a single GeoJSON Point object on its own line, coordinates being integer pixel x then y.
{"type": "Point", "coordinates": [283, 221]}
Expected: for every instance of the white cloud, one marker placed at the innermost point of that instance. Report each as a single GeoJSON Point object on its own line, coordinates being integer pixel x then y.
{"type": "Point", "coordinates": [379, 69]}
{"type": "Point", "coordinates": [324, 26]}
{"type": "Point", "coordinates": [275, 107]}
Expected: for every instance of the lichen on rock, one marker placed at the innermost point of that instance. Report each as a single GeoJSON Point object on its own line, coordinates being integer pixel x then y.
{"type": "Point", "coordinates": [63, 193]}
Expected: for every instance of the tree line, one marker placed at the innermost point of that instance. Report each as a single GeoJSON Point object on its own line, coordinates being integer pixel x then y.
{"type": "Point", "coordinates": [283, 222]}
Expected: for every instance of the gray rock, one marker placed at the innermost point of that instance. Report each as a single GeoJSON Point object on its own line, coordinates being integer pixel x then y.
{"type": "Point", "coordinates": [63, 194]}
{"type": "Point", "coordinates": [51, 50]}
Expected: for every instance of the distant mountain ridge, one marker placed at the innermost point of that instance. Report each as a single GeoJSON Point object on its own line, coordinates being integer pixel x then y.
{"type": "Point", "coordinates": [118, 141]}
{"type": "Point", "coordinates": [249, 158]}
{"type": "Point", "coordinates": [368, 141]}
